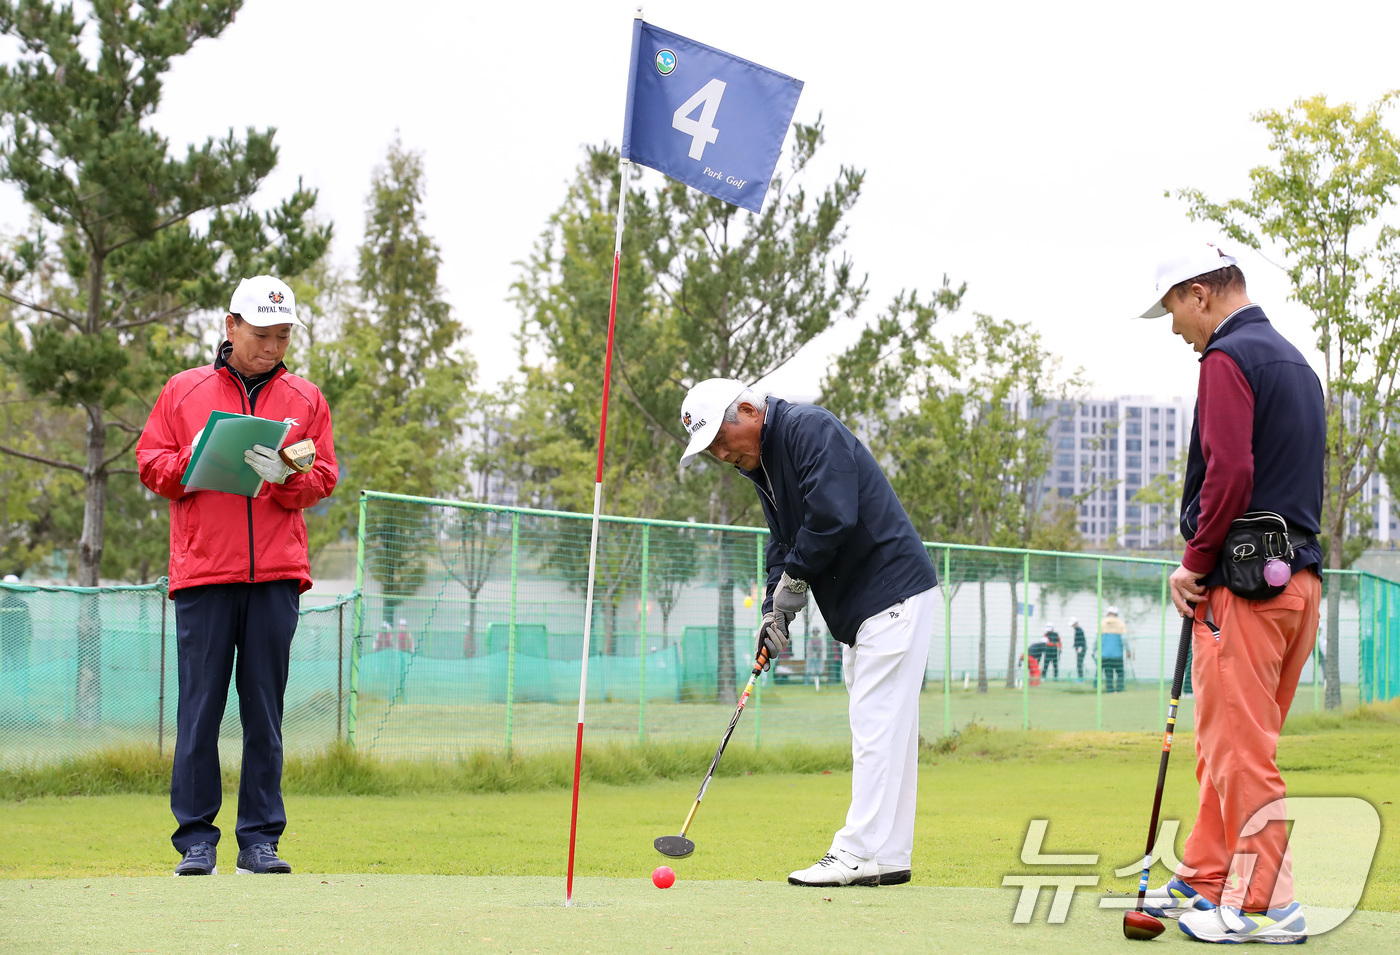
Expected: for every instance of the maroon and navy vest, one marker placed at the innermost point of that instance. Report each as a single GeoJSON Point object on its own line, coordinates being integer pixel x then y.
{"type": "Point", "coordinates": [1290, 429]}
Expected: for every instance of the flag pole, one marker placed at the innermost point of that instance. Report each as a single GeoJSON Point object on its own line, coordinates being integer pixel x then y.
{"type": "Point", "coordinates": [623, 166]}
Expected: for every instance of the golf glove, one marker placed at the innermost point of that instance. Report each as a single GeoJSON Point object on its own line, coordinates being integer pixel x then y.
{"type": "Point", "coordinates": [773, 635]}
{"type": "Point", "coordinates": [790, 596]}
{"type": "Point", "coordinates": [267, 463]}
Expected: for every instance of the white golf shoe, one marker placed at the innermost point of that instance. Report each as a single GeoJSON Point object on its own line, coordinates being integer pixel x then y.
{"type": "Point", "coordinates": [895, 874]}
{"type": "Point", "coordinates": [838, 867]}
{"type": "Point", "coordinates": [1282, 926]}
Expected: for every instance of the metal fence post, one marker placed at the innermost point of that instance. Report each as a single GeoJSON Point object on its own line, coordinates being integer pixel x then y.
{"type": "Point", "coordinates": [1098, 654]}
{"type": "Point", "coordinates": [160, 703]}
{"type": "Point", "coordinates": [947, 647]}
{"type": "Point", "coordinates": [510, 651]}
{"type": "Point", "coordinates": [359, 619]}
{"type": "Point", "coordinates": [339, 662]}
{"type": "Point", "coordinates": [758, 622]}
{"type": "Point", "coordinates": [642, 642]}
{"type": "Point", "coordinates": [1162, 646]}
{"type": "Point", "coordinates": [1026, 643]}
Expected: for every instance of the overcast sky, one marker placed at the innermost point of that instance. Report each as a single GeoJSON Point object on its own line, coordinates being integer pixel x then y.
{"type": "Point", "coordinates": [1023, 148]}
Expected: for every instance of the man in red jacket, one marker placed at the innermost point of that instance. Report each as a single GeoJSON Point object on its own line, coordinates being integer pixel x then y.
{"type": "Point", "coordinates": [238, 566]}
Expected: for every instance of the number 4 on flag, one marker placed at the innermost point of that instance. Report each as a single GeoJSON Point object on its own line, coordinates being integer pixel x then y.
{"type": "Point", "coordinates": [701, 131]}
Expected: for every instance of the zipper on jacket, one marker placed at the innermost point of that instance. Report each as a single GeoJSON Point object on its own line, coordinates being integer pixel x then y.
{"type": "Point", "coordinates": [250, 408]}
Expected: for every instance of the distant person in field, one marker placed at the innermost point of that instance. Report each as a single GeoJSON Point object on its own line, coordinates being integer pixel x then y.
{"type": "Point", "coordinates": [1081, 646]}
{"type": "Point", "coordinates": [1051, 656]}
{"type": "Point", "coordinates": [1111, 650]}
{"type": "Point", "coordinates": [1257, 447]}
{"type": "Point", "coordinates": [238, 566]}
{"type": "Point", "coordinates": [838, 531]}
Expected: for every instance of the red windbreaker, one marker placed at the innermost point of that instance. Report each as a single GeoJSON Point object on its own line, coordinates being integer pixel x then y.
{"type": "Point", "coordinates": [219, 538]}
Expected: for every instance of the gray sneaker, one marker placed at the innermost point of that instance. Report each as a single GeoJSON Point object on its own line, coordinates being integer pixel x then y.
{"type": "Point", "coordinates": [261, 858]}
{"type": "Point", "coordinates": [199, 859]}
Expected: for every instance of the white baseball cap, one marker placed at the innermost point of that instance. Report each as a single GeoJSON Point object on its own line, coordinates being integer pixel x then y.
{"type": "Point", "coordinates": [11, 579]}
{"type": "Point", "coordinates": [1112, 610]}
{"type": "Point", "coordinates": [702, 412]}
{"type": "Point", "coordinates": [1206, 257]}
{"type": "Point", "coordinates": [264, 300]}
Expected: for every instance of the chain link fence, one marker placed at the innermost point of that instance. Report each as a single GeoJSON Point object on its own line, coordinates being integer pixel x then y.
{"type": "Point", "coordinates": [465, 633]}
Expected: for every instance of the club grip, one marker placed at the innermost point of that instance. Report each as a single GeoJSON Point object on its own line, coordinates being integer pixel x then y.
{"type": "Point", "coordinates": [1183, 647]}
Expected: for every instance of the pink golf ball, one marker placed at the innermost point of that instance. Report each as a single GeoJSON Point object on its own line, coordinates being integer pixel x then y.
{"type": "Point", "coordinates": [663, 877]}
{"type": "Point", "coordinates": [1276, 572]}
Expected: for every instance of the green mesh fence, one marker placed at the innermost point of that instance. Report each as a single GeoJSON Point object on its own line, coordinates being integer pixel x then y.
{"type": "Point", "coordinates": [466, 629]}
{"type": "Point", "coordinates": [470, 633]}
{"type": "Point", "coordinates": [83, 669]}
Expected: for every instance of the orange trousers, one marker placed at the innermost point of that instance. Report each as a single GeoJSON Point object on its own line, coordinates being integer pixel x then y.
{"type": "Point", "coordinates": [1244, 679]}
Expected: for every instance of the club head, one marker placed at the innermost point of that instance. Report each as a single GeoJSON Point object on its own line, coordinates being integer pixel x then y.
{"type": "Point", "coordinates": [675, 847]}
{"type": "Point", "coordinates": [1141, 927]}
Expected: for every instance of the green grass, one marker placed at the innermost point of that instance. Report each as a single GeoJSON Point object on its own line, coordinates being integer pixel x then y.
{"type": "Point", "coordinates": [978, 791]}
{"type": "Point", "coordinates": [432, 914]}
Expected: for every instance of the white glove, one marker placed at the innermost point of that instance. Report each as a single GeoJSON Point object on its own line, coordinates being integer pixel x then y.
{"type": "Point", "coordinates": [267, 463]}
{"type": "Point", "coordinates": [790, 596]}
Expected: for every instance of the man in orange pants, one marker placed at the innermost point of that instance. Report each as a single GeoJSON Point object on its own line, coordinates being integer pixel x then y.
{"type": "Point", "coordinates": [1256, 446]}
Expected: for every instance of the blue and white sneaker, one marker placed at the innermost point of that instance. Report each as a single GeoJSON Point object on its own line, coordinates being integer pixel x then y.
{"type": "Point", "coordinates": [1285, 926]}
{"type": "Point", "coordinates": [1174, 899]}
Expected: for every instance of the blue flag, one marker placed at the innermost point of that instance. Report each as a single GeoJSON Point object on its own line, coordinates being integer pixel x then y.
{"type": "Point", "coordinates": [709, 119]}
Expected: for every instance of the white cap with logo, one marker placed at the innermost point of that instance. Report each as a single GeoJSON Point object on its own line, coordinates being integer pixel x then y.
{"type": "Point", "coordinates": [1208, 257]}
{"type": "Point", "coordinates": [702, 412]}
{"type": "Point", "coordinates": [264, 300]}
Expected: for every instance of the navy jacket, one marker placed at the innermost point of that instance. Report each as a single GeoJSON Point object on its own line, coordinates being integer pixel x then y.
{"type": "Point", "coordinates": [835, 521]}
{"type": "Point", "coordinates": [1289, 433]}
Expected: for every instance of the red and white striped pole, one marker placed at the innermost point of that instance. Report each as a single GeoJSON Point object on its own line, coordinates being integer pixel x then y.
{"type": "Point", "coordinates": [597, 509]}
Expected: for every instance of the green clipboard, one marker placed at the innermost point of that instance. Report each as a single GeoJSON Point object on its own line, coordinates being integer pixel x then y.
{"type": "Point", "coordinates": [217, 463]}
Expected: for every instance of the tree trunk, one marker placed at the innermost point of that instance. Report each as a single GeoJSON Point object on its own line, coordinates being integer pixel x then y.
{"type": "Point", "coordinates": [1011, 668]}
{"type": "Point", "coordinates": [982, 637]}
{"type": "Point", "coordinates": [89, 684]}
{"type": "Point", "coordinates": [726, 678]}
{"type": "Point", "coordinates": [469, 645]}
{"type": "Point", "coordinates": [1332, 671]}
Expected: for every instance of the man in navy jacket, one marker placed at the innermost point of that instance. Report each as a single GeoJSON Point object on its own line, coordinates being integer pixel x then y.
{"type": "Point", "coordinates": [838, 531]}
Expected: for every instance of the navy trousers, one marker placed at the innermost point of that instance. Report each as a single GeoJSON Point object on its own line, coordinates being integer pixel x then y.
{"type": "Point", "coordinates": [242, 631]}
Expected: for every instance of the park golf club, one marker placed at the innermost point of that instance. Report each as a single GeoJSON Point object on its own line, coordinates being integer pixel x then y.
{"type": "Point", "coordinates": [679, 847]}
{"type": "Point", "coordinates": [1137, 924]}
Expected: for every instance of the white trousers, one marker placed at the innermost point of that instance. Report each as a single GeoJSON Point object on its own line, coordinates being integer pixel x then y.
{"type": "Point", "coordinates": [884, 672]}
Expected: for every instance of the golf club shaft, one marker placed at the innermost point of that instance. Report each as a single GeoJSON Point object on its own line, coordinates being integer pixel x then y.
{"type": "Point", "coordinates": [733, 722]}
{"type": "Point", "coordinates": [1182, 649]}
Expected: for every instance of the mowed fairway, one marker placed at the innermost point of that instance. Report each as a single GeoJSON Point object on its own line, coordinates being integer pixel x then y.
{"type": "Point", "coordinates": [429, 914]}
{"type": "Point", "coordinates": [453, 872]}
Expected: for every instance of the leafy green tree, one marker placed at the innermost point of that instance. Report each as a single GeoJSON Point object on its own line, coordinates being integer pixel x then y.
{"type": "Point", "coordinates": [1163, 492]}
{"type": "Point", "coordinates": [962, 428]}
{"type": "Point", "coordinates": [707, 290]}
{"type": "Point", "coordinates": [395, 374]}
{"type": "Point", "coordinates": [1322, 203]}
{"type": "Point", "coordinates": [140, 240]}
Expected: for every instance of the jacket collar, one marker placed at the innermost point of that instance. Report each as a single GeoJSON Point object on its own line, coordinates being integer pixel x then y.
{"type": "Point", "coordinates": [1250, 314]}
{"type": "Point", "coordinates": [768, 434]}
{"type": "Point", "coordinates": [221, 364]}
